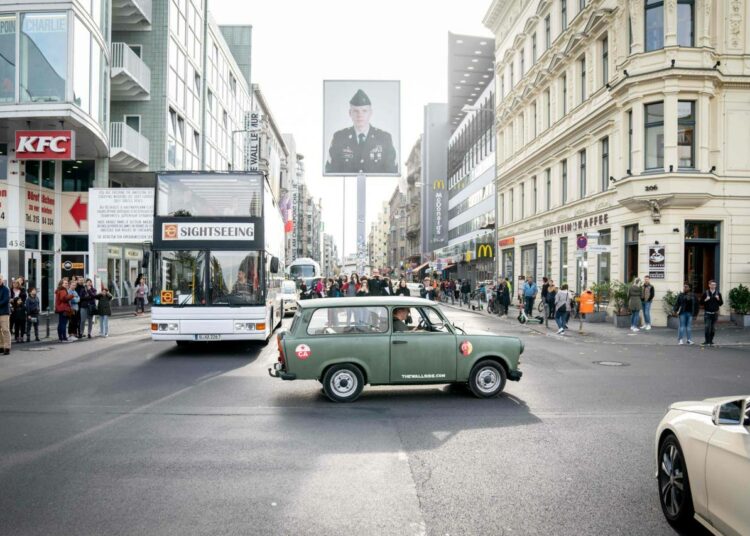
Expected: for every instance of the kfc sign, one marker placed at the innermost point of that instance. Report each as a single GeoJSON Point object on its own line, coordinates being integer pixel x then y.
{"type": "Point", "coordinates": [45, 145]}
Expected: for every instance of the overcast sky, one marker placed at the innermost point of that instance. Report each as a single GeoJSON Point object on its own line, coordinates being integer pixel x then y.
{"type": "Point", "coordinates": [299, 43]}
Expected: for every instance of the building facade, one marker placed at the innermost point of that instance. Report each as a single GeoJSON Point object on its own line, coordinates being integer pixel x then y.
{"type": "Point", "coordinates": [397, 210]}
{"type": "Point", "coordinates": [413, 189]}
{"type": "Point", "coordinates": [330, 262]}
{"type": "Point", "coordinates": [377, 239]}
{"type": "Point", "coordinates": [623, 126]}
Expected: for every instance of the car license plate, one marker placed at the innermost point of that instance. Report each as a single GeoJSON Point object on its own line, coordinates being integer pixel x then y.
{"type": "Point", "coordinates": [210, 337]}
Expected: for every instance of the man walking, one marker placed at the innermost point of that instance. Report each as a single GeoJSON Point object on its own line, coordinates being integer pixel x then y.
{"type": "Point", "coordinates": [529, 295]}
{"type": "Point", "coordinates": [4, 317]}
{"type": "Point", "coordinates": [647, 297]}
{"type": "Point", "coordinates": [711, 301]}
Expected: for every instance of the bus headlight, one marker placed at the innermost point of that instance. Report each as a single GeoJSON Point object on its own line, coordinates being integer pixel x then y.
{"type": "Point", "coordinates": [244, 326]}
{"type": "Point", "coordinates": [169, 327]}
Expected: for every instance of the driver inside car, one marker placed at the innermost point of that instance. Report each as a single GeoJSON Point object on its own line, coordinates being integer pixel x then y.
{"type": "Point", "coordinates": [399, 319]}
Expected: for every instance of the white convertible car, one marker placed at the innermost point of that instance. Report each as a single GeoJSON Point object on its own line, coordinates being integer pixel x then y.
{"type": "Point", "coordinates": [703, 464]}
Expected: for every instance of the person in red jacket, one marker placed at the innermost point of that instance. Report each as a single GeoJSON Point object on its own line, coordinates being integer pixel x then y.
{"type": "Point", "coordinates": [63, 309]}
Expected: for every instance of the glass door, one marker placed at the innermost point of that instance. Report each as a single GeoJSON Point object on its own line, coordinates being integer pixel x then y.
{"type": "Point", "coordinates": [114, 276]}
{"type": "Point", "coordinates": [33, 268]}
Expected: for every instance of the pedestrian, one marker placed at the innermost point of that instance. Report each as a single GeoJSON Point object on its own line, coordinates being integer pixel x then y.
{"type": "Point", "coordinates": [352, 286]}
{"type": "Point", "coordinates": [519, 291]}
{"type": "Point", "coordinates": [80, 287]}
{"type": "Point", "coordinates": [711, 301]}
{"type": "Point", "coordinates": [364, 289]}
{"type": "Point", "coordinates": [87, 307]}
{"type": "Point", "coordinates": [304, 294]}
{"type": "Point", "coordinates": [63, 309]}
{"type": "Point", "coordinates": [387, 287]}
{"type": "Point", "coordinates": [647, 298]}
{"type": "Point", "coordinates": [686, 308]}
{"type": "Point", "coordinates": [4, 316]}
{"type": "Point", "coordinates": [104, 310]}
{"type": "Point", "coordinates": [402, 289]}
{"type": "Point", "coordinates": [74, 318]}
{"type": "Point", "coordinates": [549, 304]}
{"type": "Point", "coordinates": [465, 292]}
{"type": "Point", "coordinates": [141, 291]}
{"type": "Point", "coordinates": [482, 295]}
{"type": "Point", "coordinates": [529, 295]}
{"type": "Point", "coordinates": [376, 285]}
{"type": "Point", "coordinates": [319, 288]}
{"type": "Point", "coordinates": [32, 315]}
{"type": "Point", "coordinates": [562, 304]}
{"type": "Point", "coordinates": [18, 311]}
{"type": "Point", "coordinates": [545, 289]}
{"type": "Point", "coordinates": [503, 297]}
{"type": "Point", "coordinates": [455, 291]}
{"type": "Point", "coordinates": [635, 293]}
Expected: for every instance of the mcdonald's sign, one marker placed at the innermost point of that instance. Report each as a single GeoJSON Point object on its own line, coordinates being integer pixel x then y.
{"type": "Point", "coordinates": [439, 184]}
{"type": "Point", "coordinates": [485, 251]}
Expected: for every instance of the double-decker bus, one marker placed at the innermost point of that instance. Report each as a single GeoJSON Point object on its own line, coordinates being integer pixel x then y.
{"type": "Point", "coordinates": [218, 257]}
{"type": "Point", "coordinates": [304, 269]}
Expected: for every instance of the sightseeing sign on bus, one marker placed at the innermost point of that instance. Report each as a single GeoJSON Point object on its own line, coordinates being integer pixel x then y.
{"type": "Point", "coordinates": [218, 248]}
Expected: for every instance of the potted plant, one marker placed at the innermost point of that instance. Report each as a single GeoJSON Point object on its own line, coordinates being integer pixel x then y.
{"type": "Point", "coordinates": [669, 301]}
{"type": "Point", "coordinates": [601, 293]}
{"type": "Point", "coordinates": [619, 294]}
{"type": "Point", "coordinates": [739, 302]}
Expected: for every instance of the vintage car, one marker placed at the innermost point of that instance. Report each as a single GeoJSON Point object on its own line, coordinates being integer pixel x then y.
{"type": "Point", "coordinates": [346, 343]}
{"type": "Point", "coordinates": [703, 465]}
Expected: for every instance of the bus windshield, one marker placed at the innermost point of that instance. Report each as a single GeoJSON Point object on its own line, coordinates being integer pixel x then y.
{"type": "Point", "coordinates": [302, 271]}
{"type": "Point", "coordinates": [217, 195]}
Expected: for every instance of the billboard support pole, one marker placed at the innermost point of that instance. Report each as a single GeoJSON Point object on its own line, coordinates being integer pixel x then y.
{"type": "Point", "coordinates": [343, 222]}
{"type": "Point", "coordinates": [361, 185]}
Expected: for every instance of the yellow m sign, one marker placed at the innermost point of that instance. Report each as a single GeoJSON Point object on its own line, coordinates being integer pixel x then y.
{"type": "Point", "coordinates": [484, 251]}
{"type": "Point", "coordinates": [439, 184]}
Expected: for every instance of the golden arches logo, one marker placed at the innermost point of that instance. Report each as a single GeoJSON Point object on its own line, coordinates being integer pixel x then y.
{"type": "Point", "coordinates": [484, 250]}
{"type": "Point", "coordinates": [438, 185]}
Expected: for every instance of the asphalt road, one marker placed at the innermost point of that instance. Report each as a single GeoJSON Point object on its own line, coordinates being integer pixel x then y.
{"type": "Point", "coordinates": [127, 436]}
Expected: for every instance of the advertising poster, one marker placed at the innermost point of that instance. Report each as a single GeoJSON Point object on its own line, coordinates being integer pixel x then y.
{"type": "Point", "coordinates": [656, 261]}
{"type": "Point", "coordinates": [361, 127]}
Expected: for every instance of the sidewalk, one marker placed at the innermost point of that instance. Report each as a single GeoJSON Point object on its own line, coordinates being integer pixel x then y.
{"type": "Point", "coordinates": [118, 325]}
{"type": "Point", "coordinates": [727, 334]}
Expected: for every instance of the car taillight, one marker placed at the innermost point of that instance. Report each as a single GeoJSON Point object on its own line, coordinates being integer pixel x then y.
{"type": "Point", "coordinates": [282, 359]}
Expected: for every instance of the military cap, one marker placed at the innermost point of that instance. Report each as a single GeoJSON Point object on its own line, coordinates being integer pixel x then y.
{"type": "Point", "coordinates": [360, 98]}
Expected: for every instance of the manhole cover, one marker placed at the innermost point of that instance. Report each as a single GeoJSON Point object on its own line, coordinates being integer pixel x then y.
{"type": "Point", "coordinates": [610, 363]}
{"type": "Point", "coordinates": [38, 349]}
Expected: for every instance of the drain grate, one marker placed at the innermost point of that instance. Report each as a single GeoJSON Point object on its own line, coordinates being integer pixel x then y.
{"type": "Point", "coordinates": [611, 363]}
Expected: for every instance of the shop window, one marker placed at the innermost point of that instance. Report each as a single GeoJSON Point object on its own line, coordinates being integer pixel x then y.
{"type": "Point", "coordinates": [32, 240]}
{"type": "Point", "coordinates": [44, 57]}
{"type": "Point", "coordinates": [631, 252]}
{"type": "Point", "coordinates": [48, 242]}
{"type": "Point", "coordinates": [563, 262]}
{"type": "Point", "coordinates": [564, 182]}
{"type": "Point", "coordinates": [548, 258]}
{"type": "Point", "coordinates": [528, 261]}
{"type": "Point", "coordinates": [701, 230]}
{"type": "Point", "coordinates": [7, 60]}
{"type": "Point", "coordinates": [655, 135]}
{"type": "Point", "coordinates": [685, 23]}
{"type": "Point", "coordinates": [77, 175]}
{"type": "Point", "coordinates": [3, 154]}
{"type": "Point", "coordinates": [654, 37]}
{"type": "Point", "coordinates": [74, 243]}
{"type": "Point", "coordinates": [603, 273]}
{"type": "Point", "coordinates": [41, 171]}
{"type": "Point", "coordinates": [686, 134]}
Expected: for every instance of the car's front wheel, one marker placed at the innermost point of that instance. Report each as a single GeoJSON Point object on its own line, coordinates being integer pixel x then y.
{"type": "Point", "coordinates": [343, 383]}
{"type": "Point", "coordinates": [674, 486]}
{"type": "Point", "coordinates": [487, 379]}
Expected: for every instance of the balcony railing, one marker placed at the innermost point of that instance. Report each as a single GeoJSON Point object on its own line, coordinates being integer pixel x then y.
{"type": "Point", "coordinates": [131, 77]}
{"type": "Point", "coordinates": [128, 148]}
{"type": "Point", "coordinates": [131, 15]}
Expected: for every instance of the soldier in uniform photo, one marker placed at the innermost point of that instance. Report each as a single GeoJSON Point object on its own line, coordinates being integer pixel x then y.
{"type": "Point", "coordinates": [361, 148]}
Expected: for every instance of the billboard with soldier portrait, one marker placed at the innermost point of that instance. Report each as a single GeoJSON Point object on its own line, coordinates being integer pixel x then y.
{"type": "Point", "coordinates": [361, 127]}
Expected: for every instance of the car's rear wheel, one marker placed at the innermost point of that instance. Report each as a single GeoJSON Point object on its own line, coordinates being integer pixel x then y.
{"type": "Point", "coordinates": [343, 383]}
{"type": "Point", "coordinates": [674, 485]}
{"type": "Point", "coordinates": [487, 379]}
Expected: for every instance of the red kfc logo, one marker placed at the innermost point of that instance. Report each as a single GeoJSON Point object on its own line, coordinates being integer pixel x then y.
{"type": "Point", "coordinates": [45, 144]}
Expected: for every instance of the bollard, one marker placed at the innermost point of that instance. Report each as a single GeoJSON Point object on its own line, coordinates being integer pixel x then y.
{"type": "Point", "coordinates": [48, 315]}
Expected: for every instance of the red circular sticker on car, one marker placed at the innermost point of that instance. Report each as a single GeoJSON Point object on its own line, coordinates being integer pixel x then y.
{"type": "Point", "coordinates": [466, 348]}
{"type": "Point", "coordinates": [302, 351]}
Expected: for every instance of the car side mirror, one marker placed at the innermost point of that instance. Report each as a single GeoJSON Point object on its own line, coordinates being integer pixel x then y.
{"type": "Point", "coordinates": [729, 413]}
{"type": "Point", "coordinates": [274, 265]}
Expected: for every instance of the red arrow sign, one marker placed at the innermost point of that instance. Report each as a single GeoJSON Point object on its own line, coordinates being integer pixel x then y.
{"type": "Point", "coordinates": [79, 211]}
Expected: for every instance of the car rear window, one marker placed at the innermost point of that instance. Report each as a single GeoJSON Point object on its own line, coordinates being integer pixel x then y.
{"type": "Point", "coordinates": [348, 320]}
{"type": "Point", "coordinates": [288, 287]}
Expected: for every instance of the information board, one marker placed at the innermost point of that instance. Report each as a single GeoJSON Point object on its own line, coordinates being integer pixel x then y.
{"type": "Point", "coordinates": [121, 215]}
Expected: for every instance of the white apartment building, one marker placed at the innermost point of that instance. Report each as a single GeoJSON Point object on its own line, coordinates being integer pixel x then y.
{"type": "Point", "coordinates": [630, 120]}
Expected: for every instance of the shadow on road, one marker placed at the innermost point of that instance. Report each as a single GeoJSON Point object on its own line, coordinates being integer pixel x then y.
{"type": "Point", "coordinates": [215, 349]}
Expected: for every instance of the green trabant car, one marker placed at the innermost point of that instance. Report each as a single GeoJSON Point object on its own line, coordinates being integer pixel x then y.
{"type": "Point", "coordinates": [347, 342]}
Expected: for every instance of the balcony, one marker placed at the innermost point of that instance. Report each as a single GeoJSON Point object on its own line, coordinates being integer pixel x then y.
{"type": "Point", "coordinates": [128, 149]}
{"type": "Point", "coordinates": [128, 15]}
{"type": "Point", "coordinates": [131, 78]}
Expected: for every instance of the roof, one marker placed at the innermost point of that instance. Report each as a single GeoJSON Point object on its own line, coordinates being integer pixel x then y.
{"type": "Point", "coordinates": [400, 301]}
{"type": "Point", "coordinates": [470, 70]}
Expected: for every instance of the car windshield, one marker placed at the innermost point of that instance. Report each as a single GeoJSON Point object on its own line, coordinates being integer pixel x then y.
{"type": "Point", "coordinates": [288, 287]}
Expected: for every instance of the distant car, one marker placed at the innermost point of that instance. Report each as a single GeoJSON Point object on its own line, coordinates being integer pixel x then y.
{"type": "Point", "coordinates": [346, 343]}
{"type": "Point", "coordinates": [703, 464]}
{"type": "Point", "coordinates": [289, 296]}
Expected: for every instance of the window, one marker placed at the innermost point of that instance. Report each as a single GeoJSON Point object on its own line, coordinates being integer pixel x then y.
{"type": "Point", "coordinates": [581, 5]}
{"type": "Point", "coordinates": [41, 171]}
{"type": "Point", "coordinates": [533, 48]}
{"type": "Point", "coordinates": [564, 14]}
{"type": "Point", "coordinates": [548, 188]}
{"type": "Point", "coordinates": [523, 62]}
{"type": "Point", "coordinates": [137, 50]}
{"type": "Point", "coordinates": [510, 206]}
{"type": "Point", "coordinates": [74, 242]}
{"type": "Point", "coordinates": [564, 181]}
{"type": "Point", "coordinates": [348, 321]}
{"type": "Point", "coordinates": [523, 200]}
{"type": "Point", "coordinates": [685, 23]}
{"type": "Point", "coordinates": [82, 65]}
{"type": "Point", "coordinates": [582, 64]}
{"type": "Point", "coordinates": [133, 121]}
{"type": "Point", "coordinates": [533, 199]}
{"type": "Point", "coordinates": [686, 134]}
{"type": "Point", "coordinates": [605, 164]}
{"type": "Point", "coordinates": [235, 278]}
{"type": "Point", "coordinates": [8, 59]}
{"type": "Point", "coordinates": [3, 161]}
{"type": "Point", "coordinates": [564, 94]}
{"type": "Point", "coordinates": [502, 85]}
{"type": "Point", "coordinates": [547, 33]}
{"type": "Point", "coordinates": [512, 77]}
{"type": "Point", "coordinates": [44, 57]}
{"type": "Point", "coordinates": [605, 61]}
{"type": "Point", "coordinates": [183, 273]}
{"type": "Point", "coordinates": [210, 100]}
{"type": "Point", "coordinates": [502, 209]}
{"type": "Point", "coordinates": [603, 259]}
{"type": "Point", "coordinates": [233, 84]}
{"type": "Point", "coordinates": [31, 240]}
{"type": "Point", "coordinates": [655, 135]}
{"type": "Point", "coordinates": [548, 110]}
{"type": "Point", "coordinates": [630, 141]}
{"type": "Point", "coordinates": [548, 258]}
{"type": "Point", "coordinates": [77, 176]}
{"type": "Point", "coordinates": [563, 262]}
{"type": "Point", "coordinates": [654, 25]}
{"type": "Point", "coordinates": [582, 173]}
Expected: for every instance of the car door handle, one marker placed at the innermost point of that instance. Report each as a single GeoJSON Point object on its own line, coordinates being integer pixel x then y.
{"type": "Point", "coordinates": [400, 342]}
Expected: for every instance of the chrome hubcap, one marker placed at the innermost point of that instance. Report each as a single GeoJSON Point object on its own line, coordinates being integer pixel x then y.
{"type": "Point", "coordinates": [344, 383]}
{"type": "Point", "coordinates": [671, 481]}
{"type": "Point", "coordinates": [487, 380]}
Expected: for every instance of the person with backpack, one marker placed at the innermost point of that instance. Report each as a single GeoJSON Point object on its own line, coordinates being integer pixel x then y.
{"type": "Point", "coordinates": [562, 306]}
{"type": "Point", "coordinates": [686, 308]}
{"type": "Point", "coordinates": [32, 315]}
{"type": "Point", "coordinates": [711, 301]}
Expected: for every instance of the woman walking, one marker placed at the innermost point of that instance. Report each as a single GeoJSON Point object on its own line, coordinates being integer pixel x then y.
{"type": "Point", "coordinates": [686, 308]}
{"type": "Point", "coordinates": [63, 309]}
{"type": "Point", "coordinates": [18, 310]}
{"type": "Point", "coordinates": [635, 302]}
{"type": "Point", "coordinates": [141, 291]}
{"type": "Point", "coordinates": [562, 303]}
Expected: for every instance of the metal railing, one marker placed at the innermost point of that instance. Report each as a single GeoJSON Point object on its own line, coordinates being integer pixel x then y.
{"type": "Point", "coordinates": [126, 139]}
{"type": "Point", "coordinates": [124, 58]}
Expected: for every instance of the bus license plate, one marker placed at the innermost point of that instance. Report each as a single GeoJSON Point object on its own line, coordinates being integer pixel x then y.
{"type": "Point", "coordinates": [210, 337]}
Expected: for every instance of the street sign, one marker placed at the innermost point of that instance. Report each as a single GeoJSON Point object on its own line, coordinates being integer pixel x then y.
{"type": "Point", "coordinates": [581, 242]}
{"type": "Point", "coordinates": [592, 234]}
{"type": "Point", "coordinates": [580, 253]}
{"type": "Point", "coordinates": [599, 248]}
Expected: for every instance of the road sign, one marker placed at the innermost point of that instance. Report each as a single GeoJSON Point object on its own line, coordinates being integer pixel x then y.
{"type": "Point", "coordinates": [592, 234]}
{"type": "Point", "coordinates": [599, 248]}
{"type": "Point", "coordinates": [581, 242]}
{"type": "Point", "coordinates": [579, 253]}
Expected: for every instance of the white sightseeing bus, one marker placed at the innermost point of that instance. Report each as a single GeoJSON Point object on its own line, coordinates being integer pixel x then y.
{"type": "Point", "coordinates": [218, 257]}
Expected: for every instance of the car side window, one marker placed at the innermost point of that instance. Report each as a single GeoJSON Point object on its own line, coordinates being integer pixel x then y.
{"type": "Point", "coordinates": [436, 322]}
{"type": "Point", "coordinates": [348, 320]}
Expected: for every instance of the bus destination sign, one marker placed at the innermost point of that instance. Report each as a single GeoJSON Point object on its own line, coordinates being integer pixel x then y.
{"type": "Point", "coordinates": [207, 231]}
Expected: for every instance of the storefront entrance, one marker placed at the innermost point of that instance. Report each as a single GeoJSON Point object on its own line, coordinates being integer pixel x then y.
{"type": "Point", "coordinates": [631, 253]}
{"type": "Point", "coordinates": [702, 254]}
{"type": "Point", "coordinates": [506, 270]}
{"type": "Point", "coordinates": [32, 268]}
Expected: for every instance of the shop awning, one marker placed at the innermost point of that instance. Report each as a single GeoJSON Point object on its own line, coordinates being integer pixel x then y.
{"type": "Point", "coordinates": [449, 266]}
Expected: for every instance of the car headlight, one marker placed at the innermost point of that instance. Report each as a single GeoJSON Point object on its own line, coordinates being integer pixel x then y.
{"type": "Point", "coordinates": [244, 326]}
